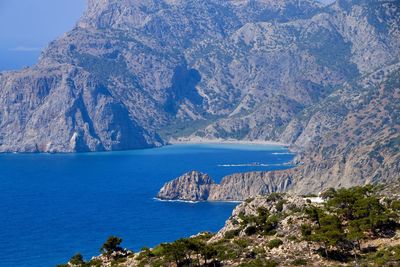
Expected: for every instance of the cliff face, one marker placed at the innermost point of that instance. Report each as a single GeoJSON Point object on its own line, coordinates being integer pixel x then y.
{"type": "Point", "coordinates": [131, 69]}
{"type": "Point", "coordinates": [195, 186]}
{"type": "Point", "coordinates": [65, 109]}
{"type": "Point", "coordinates": [192, 186]}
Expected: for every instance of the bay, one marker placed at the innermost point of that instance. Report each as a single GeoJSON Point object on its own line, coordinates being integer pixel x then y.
{"type": "Point", "coordinates": [55, 205]}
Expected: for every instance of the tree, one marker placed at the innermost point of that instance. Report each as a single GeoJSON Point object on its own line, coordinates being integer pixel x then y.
{"type": "Point", "coordinates": [176, 251]}
{"type": "Point", "coordinates": [329, 233]}
{"type": "Point", "coordinates": [314, 214]}
{"type": "Point", "coordinates": [329, 193]}
{"type": "Point", "coordinates": [77, 260]}
{"type": "Point", "coordinates": [208, 252]}
{"type": "Point", "coordinates": [111, 245]}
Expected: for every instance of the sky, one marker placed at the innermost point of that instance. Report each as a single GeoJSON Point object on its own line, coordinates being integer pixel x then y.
{"type": "Point", "coordinates": [27, 26]}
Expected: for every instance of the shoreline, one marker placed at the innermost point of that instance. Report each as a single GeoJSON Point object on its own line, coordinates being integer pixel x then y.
{"type": "Point", "coordinates": [196, 202]}
{"type": "Point", "coordinates": [224, 141]}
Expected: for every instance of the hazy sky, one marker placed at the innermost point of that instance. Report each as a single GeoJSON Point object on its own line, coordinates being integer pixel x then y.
{"type": "Point", "coordinates": [27, 26]}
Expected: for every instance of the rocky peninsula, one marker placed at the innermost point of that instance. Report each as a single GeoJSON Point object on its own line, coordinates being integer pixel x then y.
{"type": "Point", "coordinates": [197, 186]}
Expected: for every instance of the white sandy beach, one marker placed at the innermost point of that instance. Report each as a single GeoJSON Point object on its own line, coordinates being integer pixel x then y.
{"type": "Point", "coordinates": [223, 141]}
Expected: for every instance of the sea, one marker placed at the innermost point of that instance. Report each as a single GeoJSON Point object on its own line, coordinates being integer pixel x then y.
{"type": "Point", "coordinates": [55, 205]}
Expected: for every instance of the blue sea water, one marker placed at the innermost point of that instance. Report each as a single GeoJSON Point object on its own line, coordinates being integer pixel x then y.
{"type": "Point", "coordinates": [54, 205]}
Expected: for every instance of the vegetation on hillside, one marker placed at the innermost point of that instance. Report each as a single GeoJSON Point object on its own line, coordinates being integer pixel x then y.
{"type": "Point", "coordinates": [352, 226]}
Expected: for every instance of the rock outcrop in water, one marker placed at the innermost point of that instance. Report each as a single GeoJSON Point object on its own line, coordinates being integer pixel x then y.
{"type": "Point", "coordinates": [196, 186]}
{"type": "Point", "coordinates": [192, 186]}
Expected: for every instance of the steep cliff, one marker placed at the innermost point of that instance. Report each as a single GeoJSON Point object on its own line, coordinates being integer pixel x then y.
{"type": "Point", "coordinates": [192, 186]}
{"type": "Point", "coordinates": [131, 70]}
{"type": "Point", "coordinates": [195, 186]}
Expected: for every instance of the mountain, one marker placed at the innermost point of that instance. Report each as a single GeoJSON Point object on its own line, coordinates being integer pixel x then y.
{"type": "Point", "coordinates": [350, 138]}
{"type": "Point", "coordinates": [132, 71]}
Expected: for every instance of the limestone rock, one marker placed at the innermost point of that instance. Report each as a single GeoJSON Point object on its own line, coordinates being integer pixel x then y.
{"type": "Point", "coordinates": [192, 186]}
{"type": "Point", "coordinates": [195, 186]}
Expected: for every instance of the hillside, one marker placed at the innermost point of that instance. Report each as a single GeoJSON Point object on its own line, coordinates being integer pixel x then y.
{"type": "Point", "coordinates": [356, 226]}
{"type": "Point", "coordinates": [349, 138]}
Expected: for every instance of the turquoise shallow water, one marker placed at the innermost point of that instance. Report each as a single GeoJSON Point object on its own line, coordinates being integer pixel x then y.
{"type": "Point", "coordinates": [52, 206]}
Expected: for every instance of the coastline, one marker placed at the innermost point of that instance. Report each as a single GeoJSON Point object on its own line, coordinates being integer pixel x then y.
{"type": "Point", "coordinates": [195, 202]}
{"type": "Point", "coordinates": [180, 141]}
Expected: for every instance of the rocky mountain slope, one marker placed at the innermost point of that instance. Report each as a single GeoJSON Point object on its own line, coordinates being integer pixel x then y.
{"type": "Point", "coordinates": [350, 138]}
{"type": "Point", "coordinates": [132, 70]}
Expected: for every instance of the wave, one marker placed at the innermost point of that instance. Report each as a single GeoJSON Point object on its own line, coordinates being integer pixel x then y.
{"type": "Point", "coordinates": [283, 153]}
{"type": "Point", "coordinates": [176, 200]}
{"type": "Point", "coordinates": [194, 202]}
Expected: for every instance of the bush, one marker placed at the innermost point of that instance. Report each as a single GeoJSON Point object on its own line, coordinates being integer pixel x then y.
{"type": "Point", "coordinates": [250, 230]}
{"type": "Point", "coordinates": [274, 196]}
{"type": "Point", "coordinates": [77, 259]}
{"type": "Point", "coordinates": [259, 263]}
{"type": "Point", "coordinates": [249, 200]}
{"type": "Point", "coordinates": [274, 243]}
{"type": "Point", "coordinates": [299, 262]}
{"type": "Point", "coordinates": [111, 245]}
{"type": "Point", "coordinates": [306, 230]}
{"type": "Point", "coordinates": [279, 205]}
{"type": "Point", "coordinates": [231, 234]}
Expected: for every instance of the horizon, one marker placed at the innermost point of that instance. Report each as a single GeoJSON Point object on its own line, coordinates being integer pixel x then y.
{"type": "Point", "coordinates": [29, 25]}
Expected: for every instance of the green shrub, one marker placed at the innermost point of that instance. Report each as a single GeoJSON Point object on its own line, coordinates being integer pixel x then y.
{"type": "Point", "coordinates": [235, 222]}
{"type": "Point", "coordinates": [111, 245]}
{"type": "Point", "coordinates": [249, 200]}
{"type": "Point", "coordinates": [259, 263]}
{"type": "Point", "coordinates": [95, 263]}
{"type": "Point", "coordinates": [274, 197]}
{"type": "Point", "coordinates": [77, 259]}
{"type": "Point", "coordinates": [306, 230]}
{"type": "Point", "coordinates": [274, 243]}
{"type": "Point", "coordinates": [242, 242]}
{"type": "Point", "coordinates": [299, 262]}
{"type": "Point", "coordinates": [231, 234]}
{"type": "Point", "coordinates": [279, 205]}
{"type": "Point", "coordinates": [250, 230]}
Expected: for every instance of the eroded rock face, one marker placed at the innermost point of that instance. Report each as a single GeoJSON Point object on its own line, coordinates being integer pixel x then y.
{"type": "Point", "coordinates": [240, 186]}
{"type": "Point", "coordinates": [195, 186]}
{"type": "Point", "coordinates": [192, 186]}
{"type": "Point", "coordinates": [65, 109]}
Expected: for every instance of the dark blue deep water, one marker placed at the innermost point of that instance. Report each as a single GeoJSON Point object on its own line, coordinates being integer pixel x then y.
{"type": "Point", "coordinates": [52, 206]}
